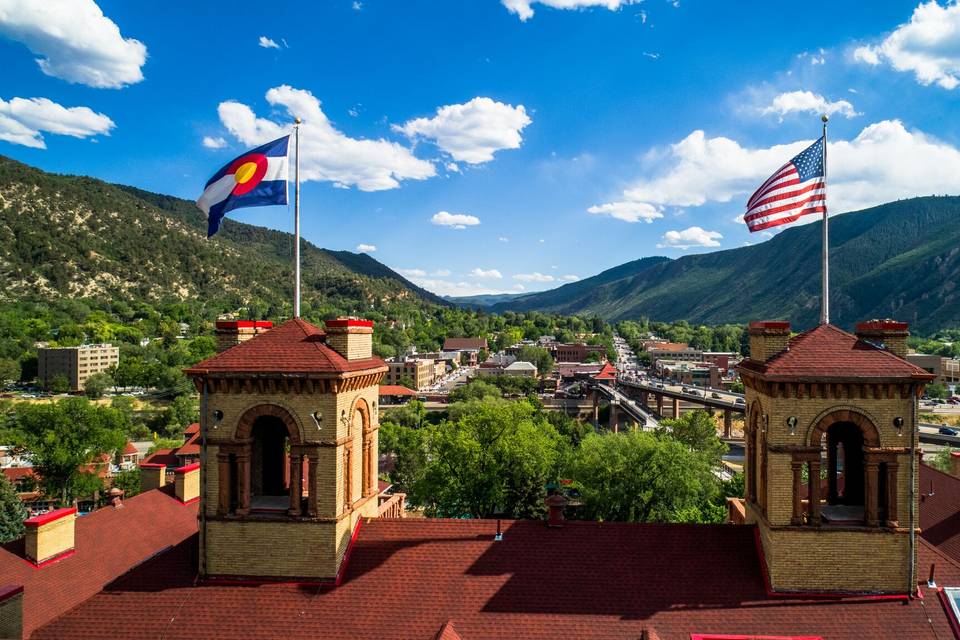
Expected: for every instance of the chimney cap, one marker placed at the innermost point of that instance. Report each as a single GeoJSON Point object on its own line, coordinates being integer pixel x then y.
{"type": "Point", "coordinates": [187, 467]}
{"type": "Point", "coordinates": [556, 500]}
{"type": "Point", "coordinates": [344, 323]}
{"type": "Point", "coordinates": [886, 326]}
{"type": "Point", "coordinates": [770, 326]}
{"type": "Point", "coordinates": [47, 518]}
{"type": "Point", "coordinates": [152, 465]}
{"type": "Point", "coordinates": [244, 324]}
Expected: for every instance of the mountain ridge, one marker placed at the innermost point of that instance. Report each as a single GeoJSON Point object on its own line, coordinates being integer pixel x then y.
{"type": "Point", "coordinates": [900, 259]}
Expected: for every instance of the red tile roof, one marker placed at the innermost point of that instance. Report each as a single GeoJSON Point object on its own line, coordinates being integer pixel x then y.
{"type": "Point", "coordinates": [827, 352]}
{"type": "Point", "coordinates": [129, 449]}
{"type": "Point", "coordinates": [163, 456]}
{"type": "Point", "coordinates": [395, 390]}
{"type": "Point", "coordinates": [109, 542]}
{"type": "Point", "coordinates": [15, 473]}
{"type": "Point", "coordinates": [608, 372]}
{"type": "Point", "coordinates": [295, 347]}
{"type": "Point", "coordinates": [940, 512]}
{"type": "Point", "coordinates": [584, 580]}
{"type": "Point", "coordinates": [456, 344]}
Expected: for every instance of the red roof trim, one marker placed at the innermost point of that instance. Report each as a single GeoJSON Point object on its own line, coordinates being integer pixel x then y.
{"type": "Point", "coordinates": [945, 602]}
{"type": "Point", "coordinates": [885, 325]}
{"type": "Point", "coordinates": [190, 501]}
{"type": "Point", "coordinates": [38, 521]}
{"type": "Point", "coordinates": [395, 390]}
{"type": "Point", "coordinates": [723, 636]}
{"type": "Point", "coordinates": [10, 590]}
{"type": "Point", "coordinates": [187, 468]}
{"type": "Point", "coordinates": [346, 555]}
{"type": "Point", "coordinates": [769, 324]}
{"type": "Point", "coordinates": [57, 558]}
{"type": "Point", "coordinates": [152, 465]}
{"type": "Point", "coordinates": [244, 324]}
{"type": "Point", "coordinates": [348, 322]}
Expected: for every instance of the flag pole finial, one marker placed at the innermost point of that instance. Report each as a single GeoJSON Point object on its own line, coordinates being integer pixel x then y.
{"type": "Point", "coordinates": [824, 118]}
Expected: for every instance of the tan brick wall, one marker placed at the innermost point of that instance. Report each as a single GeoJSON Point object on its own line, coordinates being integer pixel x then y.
{"type": "Point", "coordinates": [11, 618]}
{"type": "Point", "coordinates": [152, 478]}
{"type": "Point", "coordinates": [50, 539]}
{"type": "Point", "coordinates": [825, 560]}
{"type": "Point", "coordinates": [355, 345]}
{"type": "Point", "coordinates": [187, 485]}
{"type": "Point", "coordinates": [272, 548]}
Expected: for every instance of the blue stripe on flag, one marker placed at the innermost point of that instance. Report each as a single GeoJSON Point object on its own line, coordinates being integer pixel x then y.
{"type": "Point", "coordinates": [267, 192]}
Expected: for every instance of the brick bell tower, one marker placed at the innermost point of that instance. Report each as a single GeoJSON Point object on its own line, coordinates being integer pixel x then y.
{"type": "Point", "coordinates": [831, 446]}
{"type": "Point", "coordinates": [289, 463]}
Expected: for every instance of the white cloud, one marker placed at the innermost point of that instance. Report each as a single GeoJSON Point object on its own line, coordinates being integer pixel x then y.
{"type": "Point", "coordinates": [366, 248]}
{"type": "Point", "coordinates": [326, 153]}
{"type": "Point", "coordinates": [927, 46]}
{"type": "Point", "coordinates": [652, 55]}
{"type": "Point", "coordinates": [690, 237]}
{"type": "Point", "coordinates": [518, 287]}
{"type": "Point", "coordinates": [412, 273]}
{"type": "Point", "coordinates": [503, 239]}
{"type": "Point", "coordinates": [807, 102]}
{"type": "Point", "coordinates": [214, 143]}
{"type": "Point", "coordinates": [74, 41]}
{"type": "Point", "coordinates": [486, 273]}
{"type": "Point", "coordinates": [570, 278]}
{"type": "Point", "coordinates": [473, 131]}
{"type": "Point", "coordinates": [699, 169]}
{"type": "Point", "coordinates": [628, 211]}
{"type": "Point", "coordinates": [818, 57]}
{"type": "Point", "coordinates": [524, 8]}
{"type": "Point", "coordinates": [453, 167]}
{"type": "Point", "coordinates": [443, 273]}
{"type": "Point", "coordinates": [357, 5]}
{"type": "Point", "coordinates": [454, 220]}
{"type": "Point", "coordinates": [533, 277]}
{"type": "Point", "coordinates": [24, 121]}
{"type": "Point", "coordinates": [267, 43]}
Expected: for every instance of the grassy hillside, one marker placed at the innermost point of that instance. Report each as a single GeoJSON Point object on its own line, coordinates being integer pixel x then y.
{"type": "Point", "coordinates": [68, 236]}
{"type": "Point", "coordinates": [901, 260]}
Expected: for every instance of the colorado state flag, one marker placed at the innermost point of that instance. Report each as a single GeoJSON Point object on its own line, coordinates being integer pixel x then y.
{"type": "Point", "coordinates": [257, 178]}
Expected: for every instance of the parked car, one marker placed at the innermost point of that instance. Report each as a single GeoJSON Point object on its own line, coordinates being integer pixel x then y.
{"type": "Point", "coordinates": [739, 401]}
{"type": "Point", "coordinates": [715, 395]}
{"type": "Point", "coordinates": [947, 431]}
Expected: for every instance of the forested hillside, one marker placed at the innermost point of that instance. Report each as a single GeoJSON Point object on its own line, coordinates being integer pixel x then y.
{"type": "Point", "coordinates": [899, 260]}
{"type": "Point", "coordinates": [68, 236]}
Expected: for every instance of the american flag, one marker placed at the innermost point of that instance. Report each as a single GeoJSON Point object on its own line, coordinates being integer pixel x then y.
{"type": "Point", "coordinates": [798, 188]}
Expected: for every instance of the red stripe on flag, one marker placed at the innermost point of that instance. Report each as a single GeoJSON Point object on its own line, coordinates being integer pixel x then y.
{"type": "Point", "coordinates": [819, 197]}
{"type": "Point", "coordinates": [782, 172]}
{"type": "Point", "coordinates": [790, 194]}
{"type": "Point", "coordinates": [787, 220]}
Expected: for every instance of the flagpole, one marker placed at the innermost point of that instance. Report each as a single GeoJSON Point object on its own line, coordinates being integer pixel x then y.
{"type": "Point", "coordinates": [825, 300]}
{"type": "Point", "coordinates": [296, 221]}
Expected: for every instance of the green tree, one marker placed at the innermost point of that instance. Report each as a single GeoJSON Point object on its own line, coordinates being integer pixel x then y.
{"type": "Point", "coordinates": [403, 448]}
{"type": "Point", "coordinates": [496, 458]}
{"type": "Point", "coordinates": [129, 481]}
{"type": "Point", "coordinates": [12, 512]}
{"type": "Point", "coordinates": [636, 476]}
{"type": "Point", "coordinates": [57, 384]}
{"type": "Point", "coordinates": [537, 356]}
{"type": "Point", "coordinates": [407, 381]}
{"type": "Point", "coordinates": [476, 390]}
{"type": "Point", "coordinates": [61, 437]}
{"type": "Point", "coordinates": [9, 370]}
{"type": "Point", "coordinates": [97, 385]}
{"type": "Point", "coordinates": [936, 390]}
{"type": "Point", "coordinates": [696, 430]}
{"type": "Point", "coordinates": [941, 460]}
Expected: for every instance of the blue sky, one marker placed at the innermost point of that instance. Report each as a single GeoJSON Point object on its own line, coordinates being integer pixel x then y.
{"type": "Point", "coordinates": [488, 145]}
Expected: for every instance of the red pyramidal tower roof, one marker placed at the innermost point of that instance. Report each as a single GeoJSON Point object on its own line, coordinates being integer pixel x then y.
{"type": "Point", "coordinates": [294, 347]}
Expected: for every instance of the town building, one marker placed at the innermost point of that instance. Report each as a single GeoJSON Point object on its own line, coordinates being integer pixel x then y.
{"type": "Point", "coordinates": [701, 374]}
{"type": "Point", "coordinates": [186, 454]}
{"type": "Point", "coordinates": [276, 557]}
{"type": "Point", "coordinates": [517, 368]}
{"type": "Point", "coordinates": [674, 351]}
{"type": "Point", "coordinates": [391, 394]}
{"type": "Point", "coordinates": [468, 348]}
{"type": "Point", "coordinates": [76, 364]}
{"type": "Point", "coordinates": [946, 370]}
{"type": "Point", "coordinates": [421, 372]}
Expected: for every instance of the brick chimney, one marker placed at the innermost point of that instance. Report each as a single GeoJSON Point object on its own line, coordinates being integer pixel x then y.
{"type": "Point", "coordinates": [767, 339]}
{"type": "Point", "coordinates": [11, 611]}
{"type": "Point", "coordinates": [555, 506]}
{"type": "Point", "coordinates": [152, 476]}
{"type": "Point", "coordinates": [350, 337]}
{"type": "Point", "coordinates": [955, 464]}
{"type": "Point", "coordinates": [116, 497]}
{"type": "Point", "coordinates": [889, 334]}
{"type": "Point", "coordinates": [233, 332]}
{"type": "Point", "coordinates": [50, 536]}
{"type": "Point", "coordinates": [186, 482]}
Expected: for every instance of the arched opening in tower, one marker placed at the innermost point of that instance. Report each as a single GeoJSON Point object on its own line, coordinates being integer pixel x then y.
{"type": "Point", "coordinates": [843, 461]}
{"type": "Point", "coordinates": [268, 463]}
